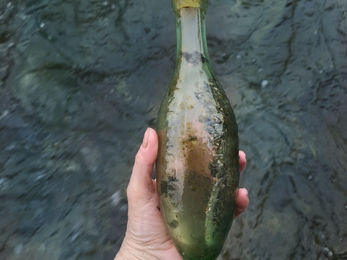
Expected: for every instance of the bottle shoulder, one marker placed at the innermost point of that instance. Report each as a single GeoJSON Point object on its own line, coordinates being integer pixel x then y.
{"type": "Point", "coordinates": [196, 83]}
{"type": "Point", "coordinates": [195, 98]}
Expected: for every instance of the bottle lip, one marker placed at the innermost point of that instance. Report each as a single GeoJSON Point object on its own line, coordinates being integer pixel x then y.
{"type": "Point", "coordinates": [179, 4]}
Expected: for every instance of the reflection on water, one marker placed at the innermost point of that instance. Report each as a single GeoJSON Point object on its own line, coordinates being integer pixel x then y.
{"type": "Point", "coordinates": [81, 80]}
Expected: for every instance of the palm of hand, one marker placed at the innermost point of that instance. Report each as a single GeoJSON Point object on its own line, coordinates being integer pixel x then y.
{"type": "Point", "coordinates": [146, 229]}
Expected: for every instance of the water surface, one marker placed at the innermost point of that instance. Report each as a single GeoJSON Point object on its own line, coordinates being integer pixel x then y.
{"type": "Point", "coordinates": [81, 80]}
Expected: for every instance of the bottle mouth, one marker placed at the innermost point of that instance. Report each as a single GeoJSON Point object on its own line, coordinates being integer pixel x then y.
{"type": "Point", "coordinates": [179, 4]}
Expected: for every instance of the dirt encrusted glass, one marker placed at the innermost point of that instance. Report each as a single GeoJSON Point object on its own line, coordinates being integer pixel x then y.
{"type": "Point", "coordinates": [198, 164]}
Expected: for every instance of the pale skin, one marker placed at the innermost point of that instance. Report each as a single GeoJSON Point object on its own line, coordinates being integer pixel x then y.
{"type": "Point", "coordinates": [146, 236]}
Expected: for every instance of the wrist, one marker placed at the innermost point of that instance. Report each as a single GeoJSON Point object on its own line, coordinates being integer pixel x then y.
{"type": "Point", "coordinates": [129, 251]}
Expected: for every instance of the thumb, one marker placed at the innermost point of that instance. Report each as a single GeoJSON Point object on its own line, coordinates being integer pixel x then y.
{"type": "Point", "coordinates": [141, 188]}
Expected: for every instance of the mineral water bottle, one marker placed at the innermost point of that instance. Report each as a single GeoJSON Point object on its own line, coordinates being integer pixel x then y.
{"type": "Point", "coordinates": [198, 165]}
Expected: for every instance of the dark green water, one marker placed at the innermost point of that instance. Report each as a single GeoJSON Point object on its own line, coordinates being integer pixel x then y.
{"type": "Point", "coordinates": [81, 80]}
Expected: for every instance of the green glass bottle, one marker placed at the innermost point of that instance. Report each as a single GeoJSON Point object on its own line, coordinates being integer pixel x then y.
{"type": "Point", "coordinates": [197, 165]}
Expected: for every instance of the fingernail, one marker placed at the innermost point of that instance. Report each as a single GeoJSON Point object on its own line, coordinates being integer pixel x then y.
{"type": "Point", "coordinates": [245, 191]}
{"type": "Point", "coordinates": [145, 139]}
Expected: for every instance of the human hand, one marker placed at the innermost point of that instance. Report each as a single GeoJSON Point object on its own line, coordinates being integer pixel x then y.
{"type": "Point", "coordinates": [146, 236]}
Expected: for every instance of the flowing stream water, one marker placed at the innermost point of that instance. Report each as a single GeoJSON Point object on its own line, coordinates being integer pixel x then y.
{"type": "Point", "coordinates": [81, 80]}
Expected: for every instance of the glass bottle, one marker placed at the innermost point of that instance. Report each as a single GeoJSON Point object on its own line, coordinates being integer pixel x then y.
{"type": "Point", "coordinates": [197, 165]}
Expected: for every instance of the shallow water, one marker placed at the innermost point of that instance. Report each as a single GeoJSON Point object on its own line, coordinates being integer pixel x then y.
{"type": "Point", "coordinates": [81, 80]}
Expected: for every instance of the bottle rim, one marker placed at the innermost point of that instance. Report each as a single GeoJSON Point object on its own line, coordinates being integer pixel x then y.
{"type": "Point", "coordinates": [179, 4]}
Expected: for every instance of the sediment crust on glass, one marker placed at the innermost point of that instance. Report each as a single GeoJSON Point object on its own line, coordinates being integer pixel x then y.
{"type": "Point", "coordinates": [179, 4]}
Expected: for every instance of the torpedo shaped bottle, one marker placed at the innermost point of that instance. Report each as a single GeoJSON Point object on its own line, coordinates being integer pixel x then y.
{"type": "Point", "coordinates": [197, 165]}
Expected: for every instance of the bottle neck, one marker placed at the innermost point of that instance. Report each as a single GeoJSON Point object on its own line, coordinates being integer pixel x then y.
{"type": "Point", "coordinates": [191, 35]}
